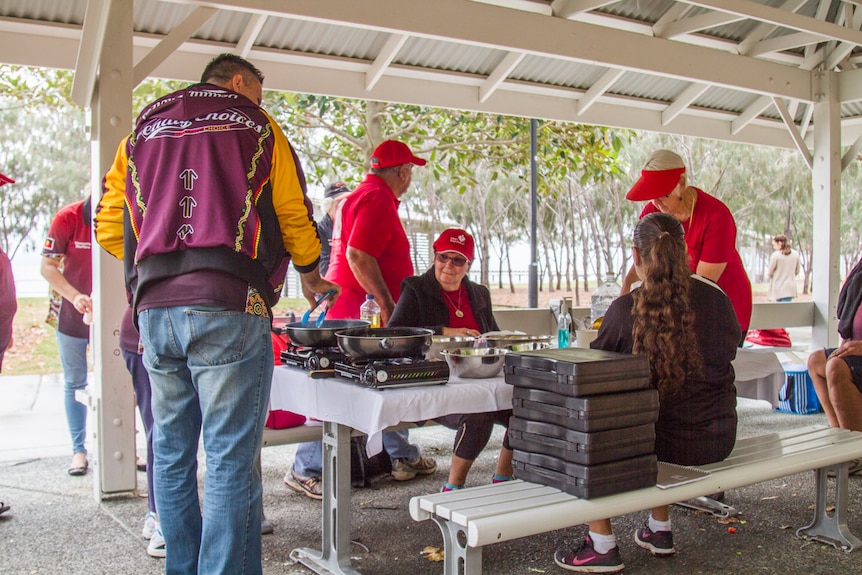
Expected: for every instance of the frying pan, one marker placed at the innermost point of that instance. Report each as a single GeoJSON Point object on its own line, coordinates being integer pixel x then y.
{"type": "Point", "coordinates": [323, 336]}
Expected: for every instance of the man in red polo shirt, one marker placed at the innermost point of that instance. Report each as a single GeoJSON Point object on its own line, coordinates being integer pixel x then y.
{"type": "Point", "coordinates": [370, 255]}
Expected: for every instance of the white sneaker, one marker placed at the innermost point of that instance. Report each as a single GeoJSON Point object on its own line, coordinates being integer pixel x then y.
{"type": "Point", "coordinates": [149, 525]}
{"type": "Point", "coordinates": [156, 548]}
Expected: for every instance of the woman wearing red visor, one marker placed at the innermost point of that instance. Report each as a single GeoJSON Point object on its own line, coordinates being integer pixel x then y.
{"type": "Point", "coordinates": [710, 230]}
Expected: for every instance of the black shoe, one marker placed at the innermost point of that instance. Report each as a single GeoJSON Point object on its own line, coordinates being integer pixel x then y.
{"type": "Point", "coordinates": [585, 559]}
{"type": "Point", "coordinates": [659, 543]}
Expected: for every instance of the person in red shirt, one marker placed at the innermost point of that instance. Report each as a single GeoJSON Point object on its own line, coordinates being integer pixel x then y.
{"type": "Point", "coordinates": [370, 255]}
{"type": "Point", "coordinates": [8, 304]}
{"type": "Point", "coordinates": [68, 267]}
{"type": "Point", "coordinates": [710, 230]}
{"type": "Point", "coordinates": [370, 250]}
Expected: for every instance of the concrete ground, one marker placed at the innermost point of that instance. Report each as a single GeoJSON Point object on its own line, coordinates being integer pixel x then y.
{"type": "Point", "coordinates": [55, 525]}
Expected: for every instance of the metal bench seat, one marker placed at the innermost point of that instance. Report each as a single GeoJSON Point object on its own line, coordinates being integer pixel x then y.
{"type": "Point", "coordinates": [471, 518]}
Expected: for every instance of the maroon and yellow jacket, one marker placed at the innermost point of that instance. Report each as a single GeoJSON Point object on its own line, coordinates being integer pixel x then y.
{"type": "Point", "coordinates": [207, 180]}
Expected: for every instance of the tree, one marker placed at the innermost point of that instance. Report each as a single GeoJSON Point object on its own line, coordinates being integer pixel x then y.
{"type": "Point", "coordinates": [44, 148]}
{"type": "Point", "coordinates": [468, 153]}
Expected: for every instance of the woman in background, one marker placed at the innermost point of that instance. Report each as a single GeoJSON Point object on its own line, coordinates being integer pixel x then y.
{"type": "Point", "coordinates": [783, 270]}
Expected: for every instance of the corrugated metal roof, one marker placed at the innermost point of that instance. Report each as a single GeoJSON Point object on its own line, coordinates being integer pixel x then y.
{"type": "Point", "coordinates": [445, 51]}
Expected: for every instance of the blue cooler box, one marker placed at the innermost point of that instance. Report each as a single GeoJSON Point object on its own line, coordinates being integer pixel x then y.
{"type": "Point", "coordinates": [797, 395]}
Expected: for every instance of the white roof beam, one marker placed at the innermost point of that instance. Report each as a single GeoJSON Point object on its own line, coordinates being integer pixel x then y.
{"type": "Point", "coordinates": [87, 64]}
{"type": "Point", "coordinates": [793, 108]}
{"type": "Point", "coordinates": [851, 153]}
{"type": "Point", "coordinates": [843, 49]}
{"type": "Point", "coordinates": [702, 40]}
{"type": "Point", "coordinates": [671, 15]}
{"type": "Point", "coordinates": [750, 113]}
{"type": "Point", "coordinates": [813, 58]}
{"type": "Point", "coordinates": [536, 34]}
{"type": "Point", "coordinates": [806, 119]}
{"type": "Point", "coordinates": [783, 18]}
{"type": "Point", "coordinates": [850, 85]}
{"type": "Point", "coordinates": [780, 43]}
{"type": "Point", "coordinates": [820, 14]}
{"type": "Point", "coordinates": [683, 101]}
{"type": "Point", "coordinates": [343, 77]}
{"type": "Point", "coordinates": [598, 88]}
{"type": "Point", "coordinates": [568, 8]}
{"type": "Point", "coordinates": [534, 6]}
{"type": "Point", "coordinates": [794, 133]}
{"type": "Point", "coordinates": [393, 45]}
{"type": "Point", "coordinates": [499, 75]}
{"type": "Point", "coordinates": [696, 23]}
{"type": "Point", "coordinates": [763, 30]}
{"type": "Point", "coordinates": [171, 42]}
{"type": "Point", "coordinates": [250, 34]}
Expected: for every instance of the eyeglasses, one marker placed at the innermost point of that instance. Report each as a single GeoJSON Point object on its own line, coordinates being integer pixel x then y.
{"type": "Point", "coordinates": [457, 261]}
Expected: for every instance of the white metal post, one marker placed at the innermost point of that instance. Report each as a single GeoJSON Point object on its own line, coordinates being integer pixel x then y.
{"type": "Point", "coordinates": [826, 184]}
{"type": "Point", "coordinates": [112, 398]}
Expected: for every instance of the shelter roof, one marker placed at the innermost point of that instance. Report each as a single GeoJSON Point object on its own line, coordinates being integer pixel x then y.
{"type": "Point", "coordinates": [739, 70]}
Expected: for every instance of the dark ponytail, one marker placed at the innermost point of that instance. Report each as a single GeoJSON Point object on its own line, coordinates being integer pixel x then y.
{"type": "Point", "coordinates": [663, 318]}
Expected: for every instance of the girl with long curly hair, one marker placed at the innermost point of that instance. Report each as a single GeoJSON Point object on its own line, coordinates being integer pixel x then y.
{"type": "Point", "coordinates": [686, 326]}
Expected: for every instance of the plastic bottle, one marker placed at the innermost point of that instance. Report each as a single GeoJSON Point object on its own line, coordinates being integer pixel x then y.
{"type": "Point", "coordinates": [370, 311]}
{"type": "Point", "coordinates": [601, 299]}
{"type": "Point", "coordinates": [564, 325]}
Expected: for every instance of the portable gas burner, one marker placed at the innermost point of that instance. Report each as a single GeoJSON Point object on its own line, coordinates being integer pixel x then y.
{"type": "Point", "coordinates": [387, 373]}
{"type": "Point", "coordinates": [311, 358]}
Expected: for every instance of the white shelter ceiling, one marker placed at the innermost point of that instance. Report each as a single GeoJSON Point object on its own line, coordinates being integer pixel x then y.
{"type": "Point", "coordinates": [740, 70]}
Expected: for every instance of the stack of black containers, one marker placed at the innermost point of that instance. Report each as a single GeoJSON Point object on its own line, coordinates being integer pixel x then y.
{"type": "Point", "coordinates": [584, 420]}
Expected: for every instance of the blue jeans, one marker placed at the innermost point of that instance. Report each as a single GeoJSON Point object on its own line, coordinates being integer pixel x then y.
{"type": "Point", "coordinates": [210, 370]}
{"type": "Point", "coordinates": [308, 461]}
{"type": "Point", "coordinates": [73, 359]}
{"type": "Point", "coordinates": [143, 395]}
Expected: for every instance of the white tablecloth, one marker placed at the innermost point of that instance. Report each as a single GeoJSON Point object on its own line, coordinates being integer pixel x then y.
{"type": "Point", "coordinates": [759, 375]}
{"type": "Point", "coordinates": [371, 411]}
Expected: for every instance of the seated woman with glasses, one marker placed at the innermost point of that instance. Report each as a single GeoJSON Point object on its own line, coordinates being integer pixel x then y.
{"type": "Point", "coordinates": [445, 300]}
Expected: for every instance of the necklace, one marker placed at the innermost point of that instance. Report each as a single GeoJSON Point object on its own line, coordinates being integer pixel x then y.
{"type": "Point", "coordinates": [458, 313]}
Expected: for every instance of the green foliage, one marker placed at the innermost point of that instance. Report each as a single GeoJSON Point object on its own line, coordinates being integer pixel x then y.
{"type": "Point", "coordinates": [45, 150]}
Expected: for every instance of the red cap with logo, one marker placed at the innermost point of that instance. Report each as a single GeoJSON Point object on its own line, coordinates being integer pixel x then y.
{"type": "Point", "coordinates": [391, 153]}
{"type": "Point", "coordinates": [455, 240]}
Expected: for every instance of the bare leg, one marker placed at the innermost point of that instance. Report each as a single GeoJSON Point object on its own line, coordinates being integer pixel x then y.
{"type": "Point", "coordinates": [504, 463]}
{"type": "Point", "coordinates": [661, 513]}
{"type": "Point", "coordinates": [458, 470]}
{"type": "Point", "coordinates": [817, 371]}
{"type": "Point", "coordinates": [844, 396]}
{"type": "Point", "coordinates": [602, 527]}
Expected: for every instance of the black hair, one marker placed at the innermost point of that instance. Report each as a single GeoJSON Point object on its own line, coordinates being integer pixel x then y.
{"type": "Point", "coordinates": [225, 66]}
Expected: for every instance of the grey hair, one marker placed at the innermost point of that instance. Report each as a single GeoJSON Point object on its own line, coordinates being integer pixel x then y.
{"type": "Point", "coordinates": [389, 170]}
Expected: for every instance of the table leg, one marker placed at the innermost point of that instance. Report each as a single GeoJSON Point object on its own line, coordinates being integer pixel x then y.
{"type": "Point", "coordinates": [334, 559]}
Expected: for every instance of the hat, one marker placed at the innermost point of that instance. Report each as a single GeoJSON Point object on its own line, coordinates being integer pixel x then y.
{"type": "Point", "coordinates": [654, 184]}
{"type": "Point", "coordinates": [336, 189]}
{"type": "Point", "coordinates": [4, 179]}
{"type": "Point", "coordinates": [455, 240]}
{"type": "Point", "coordinates": [391, 153]}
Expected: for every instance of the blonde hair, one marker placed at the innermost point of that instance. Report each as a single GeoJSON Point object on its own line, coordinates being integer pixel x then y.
{"type": "Point", "coordinates": [666, 160]}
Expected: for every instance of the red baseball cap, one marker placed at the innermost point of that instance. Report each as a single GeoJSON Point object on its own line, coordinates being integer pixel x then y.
{"type": "Point", "coordinates": [455, 240]}
{"type": "Point", "coordinates": [391, 153]}
{"type": "Point", "coordinates": [654, 184]}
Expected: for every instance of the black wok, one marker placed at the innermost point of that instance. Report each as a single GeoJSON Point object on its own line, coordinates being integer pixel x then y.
{"type": "Point", "coordinates": [323, 336]}
{"type": "Point", "coordinates": [387, 342]}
